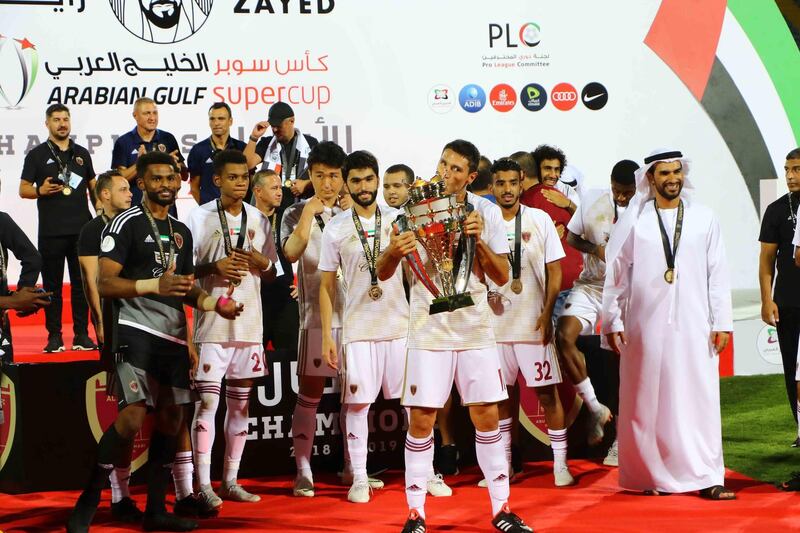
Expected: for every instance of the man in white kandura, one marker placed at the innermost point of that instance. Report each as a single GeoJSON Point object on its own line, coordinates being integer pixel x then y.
{"type": "Point", "coordinates": [523, 312]}
{"type": "Point", "coordinates": [667, 312]}
{"type": "Point", "coordinates": [455, 346]}
{"type": "Point", "coordinates": [374, 351]}
{"type": "Point", "coordinates": [233, 248]}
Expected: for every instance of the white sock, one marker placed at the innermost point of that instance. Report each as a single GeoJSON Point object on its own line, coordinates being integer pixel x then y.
{"type": "Point", "coordinates": [236, 426]}
{"type": "Point", "coordinates": [204, 429]}
{"type": "Point", "coordinates": [419, 461]}
{"type": "Point", "coordinates": [304, 425]}
{"type": "Point", "coordinates": [505, 438]}
{"type": "Point", "coordinates": [586, 392]}
{"type": "Point", "coordinates": [357, 438]}
{"type": "Point", "coordinates": [558, 442]}
{"type": "Point", "coordinates": [119, 483]}
{"type": "Point", "coordinates": [492, 460]}
{"type": "Point", "coordinates": [343, 429]}
{"type": "Point", "coordinates": [182, 471]}
{"type": "Point", "coordinates": [798, 419]}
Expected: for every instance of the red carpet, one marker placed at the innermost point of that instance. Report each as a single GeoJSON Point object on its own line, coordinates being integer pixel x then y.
{"type": "Point", "coordinates": [595, 505]}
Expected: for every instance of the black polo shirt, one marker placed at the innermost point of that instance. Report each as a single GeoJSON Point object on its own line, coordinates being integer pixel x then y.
{"type": "Point", "coordinates": [201, 163]}
{"type": "Point", "coordinates": [126, 152]}
{"type": "Point", "coordinates": [777, 227]}
{"type": "Point", "coordinates": [89, 239]}
{"type": "Point", "coordinates": [60, 214]}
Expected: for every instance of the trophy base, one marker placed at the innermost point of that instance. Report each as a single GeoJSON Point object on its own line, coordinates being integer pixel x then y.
{"type": "Point", "coordinates": [450, 303]}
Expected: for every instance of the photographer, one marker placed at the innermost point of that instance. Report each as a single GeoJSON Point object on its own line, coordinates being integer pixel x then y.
{"type": "Point", "coordinates": [59, 175]}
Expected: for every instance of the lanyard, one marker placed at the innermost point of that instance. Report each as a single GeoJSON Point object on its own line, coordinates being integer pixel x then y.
{"type": "Point", "coordinates": [516, 256]}
{"type": "Point", "coordinates": [226, 234]}
{"type": "Point", "coordinates": [792, 212]}
{"type": "Point", "coordinates": [275, 233]}
{"type": "Point", "coordinates": [320, 222]}
{"type": "Point", "coordinates": [376, 244]}
{"type": "Point", "coordinates": [670, 254]}
{"type": "Point", "coordinates": [165, 263]}
{"type": "Point", "coordinates": [63, 168]}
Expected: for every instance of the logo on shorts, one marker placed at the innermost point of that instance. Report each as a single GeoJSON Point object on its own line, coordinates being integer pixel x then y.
{"type": "Point", "coordinates": [413, 389]}
{"type": "Point", "coordinates": [526, 236]}
{"type": "Point", "coordinates": [317, 362]}
{"type": "Point", "coordinates": [206, 368]}
{"type": "Point", "coordinates": [350, 436]}
{"type": "Point", "coordinates": [301, 436]}
{"type": "Point", "coordinates": [179, 240]}
{"type": "Point", "coordinates": [134, 386]}
{"type": "Point", "coordinates": [501, 477]}
{"type": "Point", "coordinates": [353, 389]}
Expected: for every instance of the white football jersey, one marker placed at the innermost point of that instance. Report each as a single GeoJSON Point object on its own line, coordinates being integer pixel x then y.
{"type": "Point", "coordinates": [209, 246]}
{"type": "Point", "coordinates": [365, 319]}
{"type": "Point", "coordinates": [468, 328]}
{"type": "Point", "coordinates": [515, 315]}
{"type": "Point", "coordinates": [308, 276]}
{"type": "Point", "coordinates": [593, 221]}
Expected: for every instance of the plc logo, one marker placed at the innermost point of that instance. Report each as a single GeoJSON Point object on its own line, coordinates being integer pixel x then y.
{"type": "Point", "coordinates": [530, 34]}
{"type": "Point", "coordinates": [440, 98]}
{"type": "Point", "coordinates": [19, 64]}
{"type": "Point", "coordinates": [472, 98]}
{"type": "Point", "coordinates": [564, 96]}
{"type": "Point", "coordinates": [503, 98]}
{"type": "Point", "coordinates": [162, 21]}
{"type": "Point", "coordinates": [533, 97]}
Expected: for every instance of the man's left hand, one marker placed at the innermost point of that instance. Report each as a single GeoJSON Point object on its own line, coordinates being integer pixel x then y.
{"type": "Point", "coordinates": [227, 307]}
{"type": "Point", "coordinates": [545, 325]}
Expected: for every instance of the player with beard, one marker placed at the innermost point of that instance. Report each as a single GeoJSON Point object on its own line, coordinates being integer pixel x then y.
{"type": "Point", "coordinates": [455, 347]}
{"type": "Point", "coordinates": [523, 309]}
{"type": "Point", "coordinates": [588, 232]}
{"type": "Point", "coordinates": [146, 267]}
{"type": "Point", "coordinates": [233, 247]}
{"type": "Point", "coordinates": [373, 354]}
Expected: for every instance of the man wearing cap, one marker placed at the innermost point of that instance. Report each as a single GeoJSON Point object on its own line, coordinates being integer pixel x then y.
{"type": "Point", "coordinates": [667, 311]}
{"type": "Point", "coordinates": [285, 152]}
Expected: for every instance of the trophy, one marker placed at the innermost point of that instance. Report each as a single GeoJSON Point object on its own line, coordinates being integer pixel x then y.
{"type": "Point", "coordinates": [437, 219]}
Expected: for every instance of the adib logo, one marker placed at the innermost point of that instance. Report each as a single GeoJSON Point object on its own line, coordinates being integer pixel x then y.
{"type": "Point", "coordinates": [162, 21]}
{"type": "Point", "coordinates": [472, 98]}
{"type": "Point", "coordinates": [19, 65]}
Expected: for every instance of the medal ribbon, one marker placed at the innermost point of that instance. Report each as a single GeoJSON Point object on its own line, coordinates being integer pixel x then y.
{"type": "Point", "coordinates": [792, 212]}
{"type": "Point", "coordinates": [226, 234]}
{"type": "Point", "coordinates": [516, 256]}
{"type": "Point", "coordinates": [165, 260]}
{"type": "Point", "coordinates": [372, 258]}
{"type": "Point", "coordinates": [669, 255]}
{"type": "Point", "coordinates": [63, 168]}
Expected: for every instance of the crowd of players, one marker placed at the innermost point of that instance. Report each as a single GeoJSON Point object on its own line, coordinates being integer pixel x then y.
{"type": "Point", "coordinates": [286, 204]}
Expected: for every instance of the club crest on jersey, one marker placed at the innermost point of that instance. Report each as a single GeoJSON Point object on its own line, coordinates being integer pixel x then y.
{"type": "Point", "coordinates": [179, 240]}
{"type": "Point", "coordinates": [317, 363]}
{"type": "Point", "coordinates": [134, 386]}
{"type": "Point", "coordinates": [353, 389]}
{"type": "Point", "coordinates": [526, 236]}
{"type": "Point", "coordinates": [206, 368]}
{"type": "Point", "coordinates": [162, 148]}
{"type": "Point", "coordinates": [251, 233]}
{"type": "Point", "coordinates": [79, 161]}
{"type": "Point", "coordinates": [413, 389]}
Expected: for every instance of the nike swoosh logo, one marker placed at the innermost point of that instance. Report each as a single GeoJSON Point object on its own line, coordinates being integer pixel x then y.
{"type": "Point", "coordinates": [588, 98]}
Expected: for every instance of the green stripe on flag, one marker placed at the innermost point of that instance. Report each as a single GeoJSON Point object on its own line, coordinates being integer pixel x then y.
{"type": "Point", "coordinates": [770, 36]}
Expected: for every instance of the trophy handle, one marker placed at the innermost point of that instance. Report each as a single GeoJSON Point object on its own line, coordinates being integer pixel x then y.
{"type": "Point", "coordinates": [414, 260]}
{"type": "Point", "coordinates": [464, 257]}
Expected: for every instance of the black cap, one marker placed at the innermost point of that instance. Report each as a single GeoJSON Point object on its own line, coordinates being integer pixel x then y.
{"type": "Point", "coordinates": [279, 112]}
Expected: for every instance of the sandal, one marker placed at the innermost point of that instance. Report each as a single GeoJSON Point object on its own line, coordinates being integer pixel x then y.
{"type": "Point", "coordinates": [717, 492]}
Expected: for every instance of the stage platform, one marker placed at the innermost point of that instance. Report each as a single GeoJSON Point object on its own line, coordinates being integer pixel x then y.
{"type": "Point", "coordinates": [595, 505]}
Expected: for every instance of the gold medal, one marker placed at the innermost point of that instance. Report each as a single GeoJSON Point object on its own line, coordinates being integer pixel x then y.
{"type": "Point", "coordinates": [375, 292]}
{"type": "Point", "coordinates": [669, 275]}
{"type": "Point", "coordinates": [236, 282]}
{"type": "Point", "coordinates": [67, 190]}
{"type": "Point", "coordinates": [516, 286]}
{"type": "Point", "coordinates": [287, 183]}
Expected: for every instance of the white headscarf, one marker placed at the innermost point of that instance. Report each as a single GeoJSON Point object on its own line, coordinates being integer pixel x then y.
{"type": "Point", "coordinates": [644, 193]}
